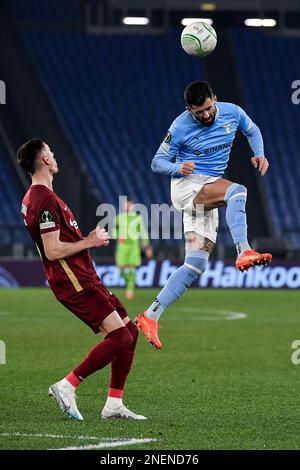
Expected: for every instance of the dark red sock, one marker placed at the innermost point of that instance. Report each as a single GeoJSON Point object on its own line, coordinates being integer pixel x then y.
{"type": "Point", "coordinates": [103, 353]}
{"type": "Point", "coordinates": [121, 365]}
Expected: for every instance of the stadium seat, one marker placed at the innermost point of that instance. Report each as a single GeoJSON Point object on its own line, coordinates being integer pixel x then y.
{"type": "Point", "coordinates": [267, 93]}
{"type": "Point", "coordinates": [12, 229]}
{"type": "Point", "coordinates": [115, 115]}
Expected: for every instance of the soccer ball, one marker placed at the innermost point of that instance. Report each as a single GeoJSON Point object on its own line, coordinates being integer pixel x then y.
{"type": "Point", "coordinates": [198, 39]}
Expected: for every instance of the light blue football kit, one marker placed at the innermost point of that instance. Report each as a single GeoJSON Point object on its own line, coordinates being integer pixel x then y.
{"type": "Point", "coordinates": [209, 148]}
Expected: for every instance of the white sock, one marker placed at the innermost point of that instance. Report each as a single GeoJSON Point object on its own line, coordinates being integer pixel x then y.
{"type": "Point", "coordinates": [65, 383]}
{"type": "Point", "coordinates": [155, 310]}
{"type": "Point", "coordinates": [113, 402]}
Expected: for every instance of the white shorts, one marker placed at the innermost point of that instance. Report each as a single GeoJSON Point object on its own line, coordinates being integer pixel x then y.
{"type": "Point", "coordinates": [183, 192]}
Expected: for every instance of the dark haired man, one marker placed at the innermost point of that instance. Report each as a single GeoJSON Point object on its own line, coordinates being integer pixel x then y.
{"type": "Point", "coordinates": [74, 282]}
{"type": "Point", "coordinates": [200, 140]}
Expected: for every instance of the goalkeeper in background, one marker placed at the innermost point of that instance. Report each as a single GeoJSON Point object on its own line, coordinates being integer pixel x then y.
{"type": "Point", "coordinates": [132, 238]}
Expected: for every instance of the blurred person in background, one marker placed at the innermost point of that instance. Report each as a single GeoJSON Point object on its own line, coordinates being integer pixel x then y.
{"type": "Point", "coordinates": [132, 238]}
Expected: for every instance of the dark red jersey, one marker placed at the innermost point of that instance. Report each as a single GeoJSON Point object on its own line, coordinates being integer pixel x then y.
{"type": "Point", "coordinates": [44, 212]}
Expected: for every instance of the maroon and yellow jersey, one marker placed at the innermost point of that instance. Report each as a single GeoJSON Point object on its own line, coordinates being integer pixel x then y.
{"type": "Point", "coordinates": [43, 212]}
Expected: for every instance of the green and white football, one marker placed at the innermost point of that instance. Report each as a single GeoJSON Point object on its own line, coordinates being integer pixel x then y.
{"type": "Point", "coordinates": [198, 39]}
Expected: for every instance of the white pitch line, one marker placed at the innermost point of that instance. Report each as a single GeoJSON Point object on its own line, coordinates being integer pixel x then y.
{"type": "Point", "coordinates": [215, 315]}
{"type": "Point", "coordinates": [102, 445]}
{"type": "Point", "coordinates": [102, 441]}
{"type": "Point", "coordinates": [54, 436]}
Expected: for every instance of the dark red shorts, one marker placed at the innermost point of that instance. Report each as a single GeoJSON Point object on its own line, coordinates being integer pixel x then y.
{"type": "Point", "coordinates": [93, 305]}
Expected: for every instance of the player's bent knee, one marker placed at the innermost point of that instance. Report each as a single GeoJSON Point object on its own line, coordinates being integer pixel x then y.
{"type": "Point", "coordinates": [125, 338]}
{"type": "Point", "coordinates": [240, 188]}
{"type": "Point", "coordinates": [235, 190]}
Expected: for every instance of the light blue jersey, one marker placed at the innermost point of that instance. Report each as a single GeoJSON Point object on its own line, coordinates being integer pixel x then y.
{"type": "Point", "coordinates": [209, 147]}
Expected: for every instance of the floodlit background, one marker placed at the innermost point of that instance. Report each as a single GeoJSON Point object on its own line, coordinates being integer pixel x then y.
{"type": "Point", "coordinates": [101, 81]}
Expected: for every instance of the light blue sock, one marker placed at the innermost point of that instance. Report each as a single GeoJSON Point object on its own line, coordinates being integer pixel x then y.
{"type": "Point", "coordinates": [194, 265]}
{"type": "Point", "coordinates": [235, 198]}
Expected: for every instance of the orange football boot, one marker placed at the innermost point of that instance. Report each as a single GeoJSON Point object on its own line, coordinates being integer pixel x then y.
{"type": "Point", "coordinates": [252, 258]}
{"type": "Point", "coordinates": [149, 327]}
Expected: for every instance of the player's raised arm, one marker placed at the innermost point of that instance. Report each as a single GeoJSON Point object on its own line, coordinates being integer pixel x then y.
{"type": "Point", "coordinates": [255, 139]}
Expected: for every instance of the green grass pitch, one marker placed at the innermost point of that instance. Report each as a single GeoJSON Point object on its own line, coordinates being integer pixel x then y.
{"type": "Point", "coordinates": [222, 380]}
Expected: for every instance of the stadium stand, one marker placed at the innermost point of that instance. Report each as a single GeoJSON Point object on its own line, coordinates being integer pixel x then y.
{"type": "Point", "coordinates": [116, 115]}
{"type": "Point", "coordinates": [267, 92]}
{"type": "Point", "coordinates": [43, 10]}
{"type": "Point", "coordinates": [11, 224]}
